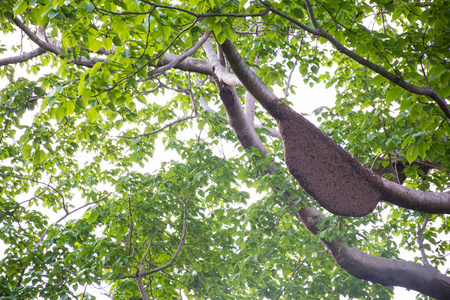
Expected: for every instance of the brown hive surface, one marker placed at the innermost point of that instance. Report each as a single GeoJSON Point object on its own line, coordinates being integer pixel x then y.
{"type": "Point", "coordinates": [328, 173]}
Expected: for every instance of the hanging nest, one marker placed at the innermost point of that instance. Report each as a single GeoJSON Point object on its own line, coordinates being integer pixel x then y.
{"type": "Point", "coordinates": [328, 173]}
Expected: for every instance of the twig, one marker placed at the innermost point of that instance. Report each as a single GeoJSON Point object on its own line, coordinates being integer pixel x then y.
{"type": "Point", "coordinates": [420, 242]}
{"type": "Point", "coordinates": [286, 91]}
{"type": "Point", "coordinates": [71, 212]}
{"type": "Point", "coordinates": [293, 275]}
{"type": "Point", "coordinates": [185, 118]}
{"type": "Point", "coordinates": [151, 90]}
{"type": "Point", "coordinates": [160, 70]}
{"type": "Point", "coordinates": [46, 184]}
{"type": "Point", "coordinates": [130, 245]}
{"type": "Point", "coordinates": [180, 245]}
{"type": "Point", "coordinates": [311, 14]}
{"type": "Point", "coordinates": [148, 249]}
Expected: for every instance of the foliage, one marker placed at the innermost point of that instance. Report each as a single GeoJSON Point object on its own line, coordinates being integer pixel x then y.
{"type": "Point", "coordinates": [87, 127]}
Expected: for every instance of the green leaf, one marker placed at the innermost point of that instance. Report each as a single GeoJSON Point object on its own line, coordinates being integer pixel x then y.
{"type": "Point", "coordinates": [95, 69]}
{"type": "Point", "coordinates": [142, 99]}
{"type": "Point", "coordinates": [40, 156]}
{"type": "Point", "coordinates": [412, 153]}
{"type": "Point", "coordinates": [27, 151]}
{"type": "Point", "coordinates": [117, 41]}
{"type": "Point", "coordinates": [221, 37]}
{"type": "Point", "coordinates": [92, 216]}
{"type": "Point", "coordinates": [95, 45]}
{"type": "Point", "coordinates": [406, 141]}
{"type": "Point", "coordinates": [81, 103]}
{"type": "Point", "coordinates": [394, 94]}
{"type": "Point", "coordinates": [70, 107]}
{"type": "Point", "coordinates": [88, 7]}
{"type": "Point", "coordinates": [21, 7]}
{"type": "Point", "coordinates": [439, 148]}
{"type": "Point", "coordinates": [60, 112]}
{"type": "Point", "coordinates": [92, 114]}
{"type": "Point", "coordinates": [107, 43]}
{"type": "Point", "coordinates": [86, 94]}
{"type": "Point", "coordinates": [297, 12]}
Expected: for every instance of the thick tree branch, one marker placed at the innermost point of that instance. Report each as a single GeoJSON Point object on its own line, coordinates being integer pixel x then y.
{"type": "Point", "coordinates": [246, 134]}
{"type": "Point", "coordinates": [251, 81]}
{"type": "Point", "coordinates": [427, 202]}
{"type": "Point", "coordinates": [250, 102]}
{"type": "Point", "coordinates": [22, 58]}
{"type": "Point", "coordinates": [41, 43]}
{"type": "Point", "coordinates": [272, 131]}
{"type": "Point", "coordinates": [230, 79]}
{"type": "Point", "coordinates": [388, 272]}
{"type": "Point", "coordinates": [189, 64]}
{"type": "Point", "coordinates": [181, 62]}
{"type": "Point", "coordinates": [236, 115]}
{"type": "Point", "coordinates": [180, 58]}
{"type": "Point", "coordinates": [53, 46]}
{"type": "Point", "coordinates": [219, 71]}
{"type": "Point", "coordinates": [250, 107]}
{"type": "Point", "coordinates": [332, 176]}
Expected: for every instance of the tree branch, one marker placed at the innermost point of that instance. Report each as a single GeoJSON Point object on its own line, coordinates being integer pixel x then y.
{"type": "Point", "coordinates": [426, 202]}
{"type": "Point", "coordinates": [218, 70]}
{"type": "Point", "coordinates": [43, 44]}
{"type": "Point", "coordinates": [71, 212]}
{"type": "Point", "coordinates": [22, 58]}
{"type": "Point", "coordinates": [189, 64]}
{"type": "Point", "coordinates": [426, 91]}
{"type": "Point", "coordinates": [181, 62]}
{"type": "Point", "coordinates": [264, 12]}
{"type": "Point", "coordinates": [185, 118]}
{"type": "Point", "coordinates": [420, 242]}
{"type": "Point", "coordinates": [385, 271]}
{"type": "Point", "coordinates": [138, 276]}
{"type": "Point", "coordinates": [180, 245]}
{"type": "Point", "coordinates": [311, 15]}
{"type": "Point", "coordinates": [250, 102]}
{"type": "Point", "coordinates": [43, 183]}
